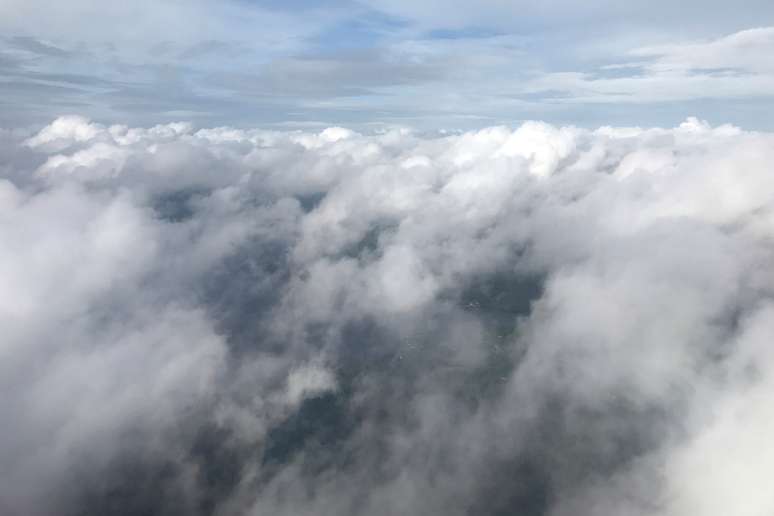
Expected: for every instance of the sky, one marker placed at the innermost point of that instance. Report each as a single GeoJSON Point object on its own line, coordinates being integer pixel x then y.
{"type": "Point", "coordinates": [363, 63]}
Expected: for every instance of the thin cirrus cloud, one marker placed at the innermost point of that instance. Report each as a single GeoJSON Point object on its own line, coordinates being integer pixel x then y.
{"type": "Point", "coordinates": [386, 62]}
{"type": "Point", "coordinates": [734, 66]}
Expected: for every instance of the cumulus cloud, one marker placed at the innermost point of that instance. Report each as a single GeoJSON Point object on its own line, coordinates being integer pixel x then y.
{"type": "Point", "coordinates": [539, 320]}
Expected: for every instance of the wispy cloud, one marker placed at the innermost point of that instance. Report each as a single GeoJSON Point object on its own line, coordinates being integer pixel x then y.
{"type": "Point", "coordinates": [366, 62]}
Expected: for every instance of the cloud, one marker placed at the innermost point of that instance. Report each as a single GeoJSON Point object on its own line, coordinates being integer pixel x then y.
{"type": "Point", "coordinates": [34, 46]}
{"type": "Point", "coordinates": [545, 320]}
{"type": "Point", "coordinates": [744, 51]}
{"type": "Point", "coordinates": [132, 30]}
{"type": "Point", "coordinates": [735, 65]}
{"type": "Point", "coordinates": [308, 382]}
{"type": "Point", "coordinates": [358, 63]}
{"type": "Point", "coordinates": [565, 14]}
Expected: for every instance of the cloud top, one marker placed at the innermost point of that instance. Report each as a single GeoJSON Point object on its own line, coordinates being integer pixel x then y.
{"type": "Point", "coordinates": [540, 319]}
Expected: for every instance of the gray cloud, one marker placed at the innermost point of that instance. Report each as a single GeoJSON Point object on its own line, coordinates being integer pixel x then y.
{"type": "Point", "coordinates": [541, 320]}
{"type": "Point", "coordinates": [35, 46]}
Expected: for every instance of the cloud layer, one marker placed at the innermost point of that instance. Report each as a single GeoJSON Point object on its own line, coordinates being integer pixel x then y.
{"type": "Point", "coordinates": [541, 320]}
{"type": "Point", "coordinates": [388, 62]}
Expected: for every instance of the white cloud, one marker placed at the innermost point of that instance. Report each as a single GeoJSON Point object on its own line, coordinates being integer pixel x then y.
{"type": "Point", "coordinates": [308, 381]}
{"type": "Point", "coordinates": [733, 66]}
{"type": "Point", "coordinates": [748, 50]}
{"type": "Point", "coordinates": [65, 129]}
{"type": "Point", "coordinates": [581, 312]}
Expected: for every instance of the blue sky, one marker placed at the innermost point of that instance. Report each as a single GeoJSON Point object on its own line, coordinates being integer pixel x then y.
{"type": "Point", "coordinates": [437, 64]}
